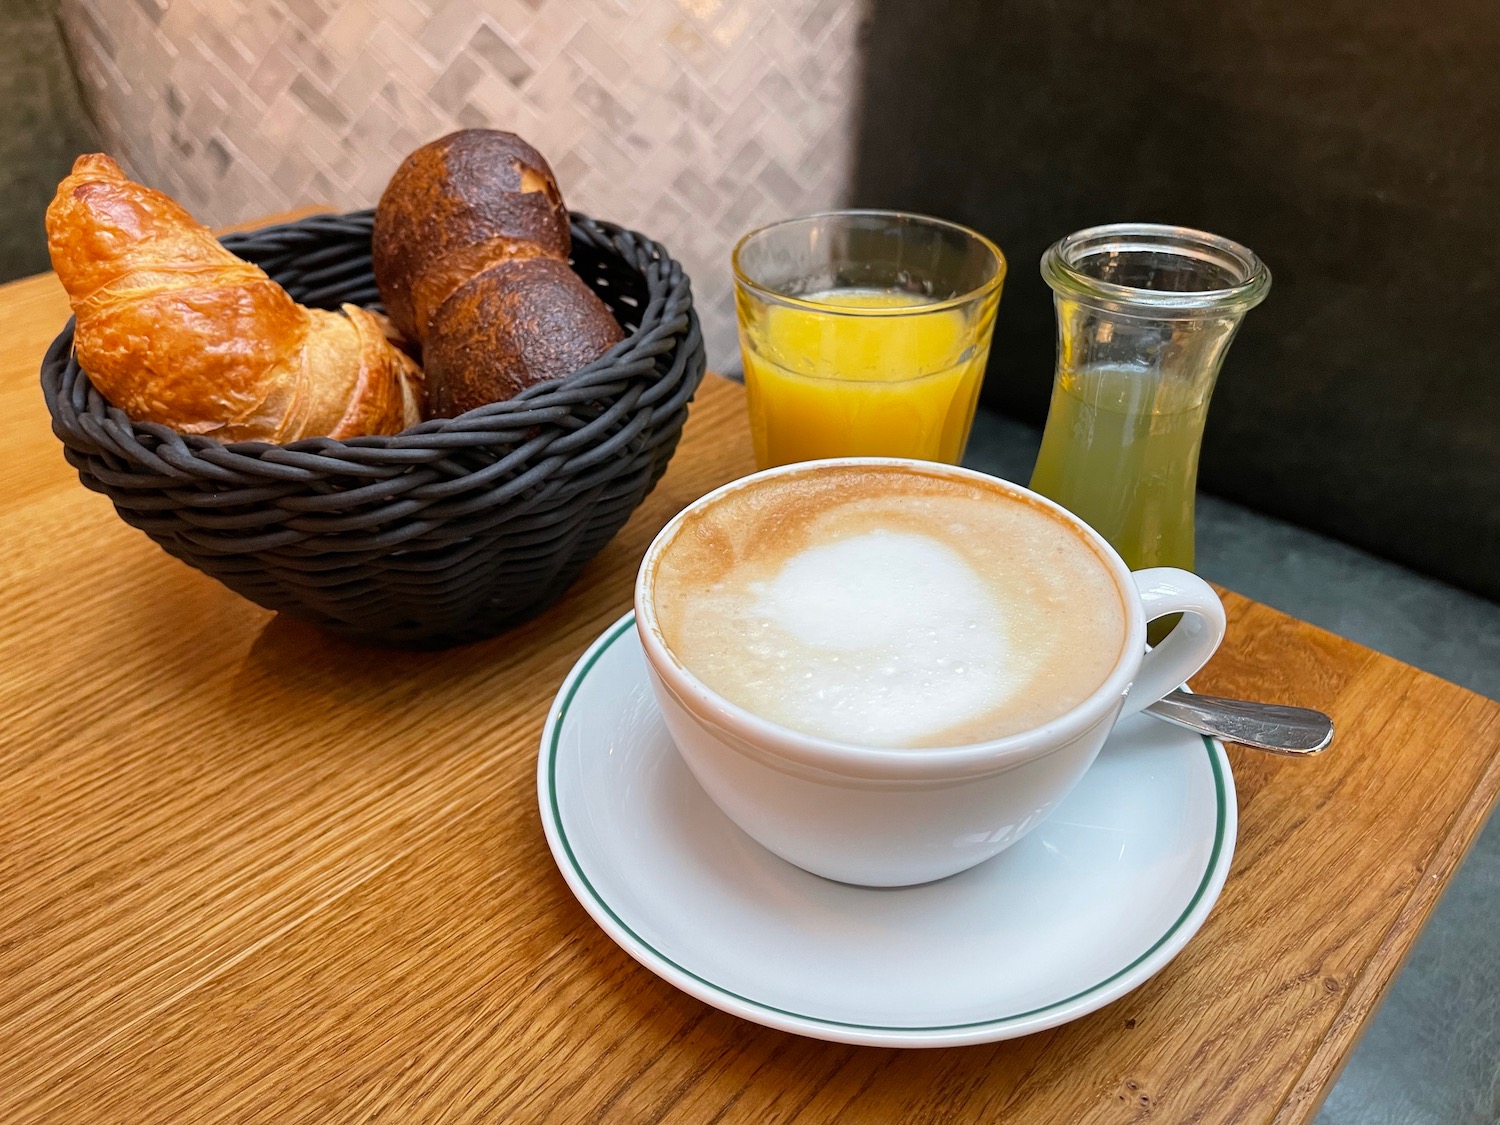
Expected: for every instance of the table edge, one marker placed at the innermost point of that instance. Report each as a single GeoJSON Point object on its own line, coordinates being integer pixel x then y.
{"type": "Point", "coordinates": [1300, 1104]}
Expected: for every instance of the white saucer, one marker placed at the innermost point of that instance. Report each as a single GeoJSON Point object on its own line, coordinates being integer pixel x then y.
{"type": "Point", "coordinates": [1091, 904]}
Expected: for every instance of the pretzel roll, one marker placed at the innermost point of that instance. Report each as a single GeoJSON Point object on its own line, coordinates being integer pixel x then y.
{"type": "Point", "coordinates": [455, 207]}
{"type": "Point", "coordinates": [471, 256]}
{"type": "Point", "coordinates": [514, 325]}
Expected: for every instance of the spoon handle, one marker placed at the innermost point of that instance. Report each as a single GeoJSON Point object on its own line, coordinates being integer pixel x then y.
{"type": "Point", "coordinates": [1295, 731]}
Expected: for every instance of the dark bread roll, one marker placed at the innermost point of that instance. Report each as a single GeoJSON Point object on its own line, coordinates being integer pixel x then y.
{"type": "Point", "coordinates": [511, 326]}
{"type": "Point", "coordinates": [457, 206]}
{"type": "Point", "coordinates": [470, 253]}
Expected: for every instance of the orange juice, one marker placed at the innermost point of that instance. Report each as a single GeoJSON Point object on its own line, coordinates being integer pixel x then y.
{"type": "Point", "coordinates": [884, 379]}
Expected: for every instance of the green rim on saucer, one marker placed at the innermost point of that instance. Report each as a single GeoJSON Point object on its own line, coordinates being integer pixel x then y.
{"type": "Point", "coordinates": [550, 750]}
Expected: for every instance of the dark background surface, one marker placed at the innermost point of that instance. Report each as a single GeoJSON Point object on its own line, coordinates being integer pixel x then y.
{"type": "Point", "coordinates": [1354, 145]}
{"type": "Point", "coordinates": [43, 126]}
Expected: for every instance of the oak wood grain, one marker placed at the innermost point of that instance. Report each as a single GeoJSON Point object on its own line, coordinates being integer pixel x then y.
{"type": "Point", "coordinates": [253, 873]}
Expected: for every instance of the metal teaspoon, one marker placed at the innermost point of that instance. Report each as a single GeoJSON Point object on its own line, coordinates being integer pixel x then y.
{"type": "Point", "coordinates": [1295, 731]}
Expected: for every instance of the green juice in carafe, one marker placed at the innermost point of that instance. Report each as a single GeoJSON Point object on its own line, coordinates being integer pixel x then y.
{"type": "Point", "coordinates": [1145, 315]}
{"type": "Point", "coordinates": [1121, 452]}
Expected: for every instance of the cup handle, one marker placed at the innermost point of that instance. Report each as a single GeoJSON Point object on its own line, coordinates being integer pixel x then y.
{"type": "Point", "coordinates": [1187, 647]}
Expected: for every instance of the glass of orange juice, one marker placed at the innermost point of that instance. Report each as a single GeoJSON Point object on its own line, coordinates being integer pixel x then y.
{"type": "Point", "coordinates": [864, 333]}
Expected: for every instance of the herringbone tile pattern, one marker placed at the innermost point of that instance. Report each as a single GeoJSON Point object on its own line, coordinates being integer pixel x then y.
{"type": "Point", "coordinates": [691, 120]}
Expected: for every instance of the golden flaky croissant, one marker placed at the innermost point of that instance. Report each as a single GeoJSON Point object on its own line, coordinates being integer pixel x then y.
{"type": "Point", "coordinates": [173, 328]}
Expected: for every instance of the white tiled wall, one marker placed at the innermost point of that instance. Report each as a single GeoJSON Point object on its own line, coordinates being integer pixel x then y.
{"type": "Point", "coordinates": [690, 120]}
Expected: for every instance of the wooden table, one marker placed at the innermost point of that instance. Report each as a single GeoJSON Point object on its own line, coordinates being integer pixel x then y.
{"type": "Point", "coordinates": [251, 873]}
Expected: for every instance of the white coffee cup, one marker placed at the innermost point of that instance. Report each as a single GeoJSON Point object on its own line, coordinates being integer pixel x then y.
{"type": "Point", "coordinates": [879, 816]}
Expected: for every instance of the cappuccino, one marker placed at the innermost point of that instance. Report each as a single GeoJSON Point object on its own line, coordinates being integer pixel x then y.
{"type": "Point", "coordinates": [888, 606]}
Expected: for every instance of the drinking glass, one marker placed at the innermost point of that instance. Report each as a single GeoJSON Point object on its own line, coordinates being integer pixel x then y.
{"type": "Point", "coordinates": [864, 333]}
{"type": "Point", "coordinates": [1145, 316]}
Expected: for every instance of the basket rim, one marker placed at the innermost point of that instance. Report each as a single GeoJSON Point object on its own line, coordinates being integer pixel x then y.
{"type": "Point", "coordinates": [660, 332]}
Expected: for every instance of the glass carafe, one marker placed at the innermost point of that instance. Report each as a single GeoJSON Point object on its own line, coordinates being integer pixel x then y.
{"type": "Point", "coordinates": [1145, 315]}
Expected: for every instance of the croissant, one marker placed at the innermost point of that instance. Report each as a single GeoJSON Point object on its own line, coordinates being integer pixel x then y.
{"type": "Point", "coordinates": [470, 251]}
{"type": "Point", "coordinates": [173, 328]}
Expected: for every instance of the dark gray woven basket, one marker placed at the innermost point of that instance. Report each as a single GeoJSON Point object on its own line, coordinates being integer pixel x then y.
{"type": "Point", "coordinates": [448, 532]}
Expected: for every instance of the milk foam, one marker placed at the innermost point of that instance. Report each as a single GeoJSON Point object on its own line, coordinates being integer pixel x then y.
{"type": "Point", "coordinates": [888, 607]}
{"type": "Point", "coordinates": [932, 654]}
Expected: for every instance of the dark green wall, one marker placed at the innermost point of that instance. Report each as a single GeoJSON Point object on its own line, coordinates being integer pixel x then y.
{"type": "Point", "coordinates": [1354, 145]}
{"type": "Point", "coordinates": [42, 128]}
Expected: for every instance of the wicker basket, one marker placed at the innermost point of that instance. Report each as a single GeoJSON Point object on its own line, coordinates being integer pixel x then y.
{"type": "Point", "coordinates": [448, 532]}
